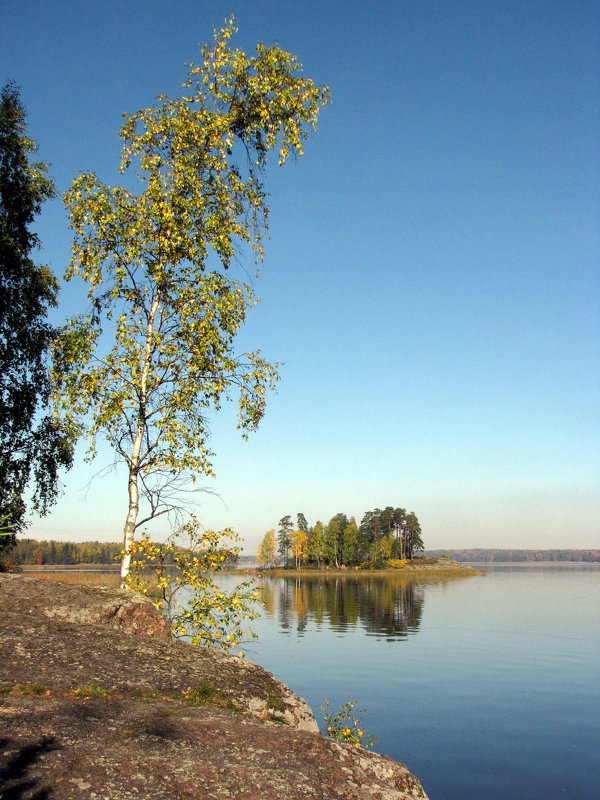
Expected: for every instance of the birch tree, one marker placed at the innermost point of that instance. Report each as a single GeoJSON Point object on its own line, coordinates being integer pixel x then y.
{"type": "Point", "coordinates": [157, 267]}
{"type": "Point", "coordinates": [299, 540]}
{"type": "Point", "coordinates": [267, 549]}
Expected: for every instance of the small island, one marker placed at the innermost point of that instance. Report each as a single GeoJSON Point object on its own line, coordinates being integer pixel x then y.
{"type": "Point", "coordinates": [415, 566]}
{"type": "Point", "coordinates": [387, 540]}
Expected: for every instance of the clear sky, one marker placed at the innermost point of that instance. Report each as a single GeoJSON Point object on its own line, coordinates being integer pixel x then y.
{"type": "Point", "coordinates": [432, 277]}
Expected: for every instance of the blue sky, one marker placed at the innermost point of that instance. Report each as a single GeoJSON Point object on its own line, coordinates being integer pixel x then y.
{"type": "Point", "coordinates": [431, 279]}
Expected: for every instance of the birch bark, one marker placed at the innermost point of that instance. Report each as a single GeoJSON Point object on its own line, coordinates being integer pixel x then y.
{"type": "Point", "coordinates": [134, 461]}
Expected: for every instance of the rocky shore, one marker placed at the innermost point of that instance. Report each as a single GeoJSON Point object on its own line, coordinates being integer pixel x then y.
{"type": "Point", "coordinates": [97, 702]}
{"type": "Point", "coordinates": [421, 566]}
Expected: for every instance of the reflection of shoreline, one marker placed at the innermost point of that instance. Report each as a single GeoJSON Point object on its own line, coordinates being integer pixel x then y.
{"type": "Point", "coordinates": [439, 567]}
{"type": "Point", "coordinates": [383, 604]}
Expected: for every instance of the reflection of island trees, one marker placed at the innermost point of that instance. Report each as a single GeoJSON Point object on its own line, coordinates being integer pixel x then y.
{"type": "Point", "coordinates": [386, 606]}
{"type": "Point", "coordinates": [393, 608]}
{"type": "Point", "coordinates": [268, 597]}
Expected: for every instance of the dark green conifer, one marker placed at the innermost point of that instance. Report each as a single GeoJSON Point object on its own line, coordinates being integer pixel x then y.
{"type": "Point", "coordinates": [32, 447]}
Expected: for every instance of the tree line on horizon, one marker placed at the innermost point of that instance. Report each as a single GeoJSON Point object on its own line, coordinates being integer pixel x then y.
{"type": "Point", "coordinates": [33, 552]}
{"type": "Point", "coordinates": [36, 552]}
{"type": "Point", "coordinates": [496, 555]}
{"type": "Point", "coordinates": [382, 536]}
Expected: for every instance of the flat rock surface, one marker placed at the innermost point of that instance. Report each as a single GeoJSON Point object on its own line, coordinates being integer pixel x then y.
{"type": "Point", "coordinates": [115, 750]}
{"type": "Point", "coordinates": [37, 646]}
{"type": "Point", "coordinates": [131, 734]}
{"type": "Point", "coordinates": [119, 609]}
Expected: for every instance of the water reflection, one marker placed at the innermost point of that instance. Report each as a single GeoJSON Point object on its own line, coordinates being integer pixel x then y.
{"type": "Point", "coordinates": [388, 606]}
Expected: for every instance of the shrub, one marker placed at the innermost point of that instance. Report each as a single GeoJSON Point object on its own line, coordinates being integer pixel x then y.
{"type": "Point", "coordinates": [184, 564]}
{"type": "Point", "coordinates": [344, 727]}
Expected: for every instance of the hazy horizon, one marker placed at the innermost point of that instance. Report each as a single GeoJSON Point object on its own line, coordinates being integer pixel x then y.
{"type": "Point", "coordinates": [431, 280]}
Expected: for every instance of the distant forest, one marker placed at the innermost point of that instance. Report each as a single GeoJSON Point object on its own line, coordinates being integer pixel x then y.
{"type": "Point", "coordinates": [528, 556]}
{"type": "Point", "coordinates": [28, 552]}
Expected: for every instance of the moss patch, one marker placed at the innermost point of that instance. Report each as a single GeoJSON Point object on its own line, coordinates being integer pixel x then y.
{"type": "Point", "coordinates": [24, 690]}
{"type": "Point", "coordinates": [275, 702]}
{"type": "Point", "coordinates": [204, 694]}
{"type": "Point", "coordinates": [92, 692]}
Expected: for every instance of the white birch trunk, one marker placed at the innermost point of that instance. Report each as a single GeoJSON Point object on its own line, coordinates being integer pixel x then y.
{"type": "Point", "coordinates": [134, 506]}
{"type": "Point", "coordinates": [134, 463]}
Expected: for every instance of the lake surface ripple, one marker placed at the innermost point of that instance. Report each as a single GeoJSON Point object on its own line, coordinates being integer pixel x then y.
{"type": "Point", "coordinates": [486, 687]}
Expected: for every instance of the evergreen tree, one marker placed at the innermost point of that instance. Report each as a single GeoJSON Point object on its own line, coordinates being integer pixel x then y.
{"type": "Point", "coordinates": [413, 535]}
{"type": "Point", "coordinates": [302, 523]}
{"type": "Point", "coordinates": [284, 541]}
{"type": "Point", "coordinates": [32, 447]}
{"type": "Point", "coordinates": [369, 533]}
{"type": "Point", "coordinates": [388, 533]}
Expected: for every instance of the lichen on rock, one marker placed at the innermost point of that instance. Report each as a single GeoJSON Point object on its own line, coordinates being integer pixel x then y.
{"type": "Point", "coordinates": [96, 701]}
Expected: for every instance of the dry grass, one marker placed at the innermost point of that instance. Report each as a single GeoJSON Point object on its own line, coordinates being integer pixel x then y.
{"type": "Point", "coordinates": [85, 578]}
{"type": "Point", "coordinates": [69, 567]}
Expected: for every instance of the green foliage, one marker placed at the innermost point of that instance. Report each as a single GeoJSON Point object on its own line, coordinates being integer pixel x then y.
{"type": "Point", "coordinates": [284, 540]}
{"type": "Point", "coordinates": [391, 534]}
{"type": "Point", "coordinates": [350, 543]}
{"type": "Point", "coordinates": [7, 528]}
{"type": "Point", "coordinates": [344, 725]}
{"type": "Point", "coordinates": [196, 607]}
{"type": "Point", "coordinates": [316, 543]}
{"type": "Point", "coordinates": [332, 542]}
{"type": "Point", "coordinates": [301, 524]}
{"type": "Point", "coordinates": [200, 695]}
{"type": "Point", "coordinates": [33, 448]}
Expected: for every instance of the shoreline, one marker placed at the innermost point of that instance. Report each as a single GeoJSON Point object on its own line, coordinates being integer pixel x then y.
{"type": "Point", "coordinates": [203, 723]}
{"type": "Point", "coordinates": [439, 567]}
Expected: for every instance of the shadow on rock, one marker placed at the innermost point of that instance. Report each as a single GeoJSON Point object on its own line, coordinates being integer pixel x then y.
{"type": "Point", "coordinates": [14, 774]}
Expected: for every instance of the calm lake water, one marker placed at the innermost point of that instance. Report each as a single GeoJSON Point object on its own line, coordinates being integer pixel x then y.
{"type": "Point", "coordinates": [486, 687]}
